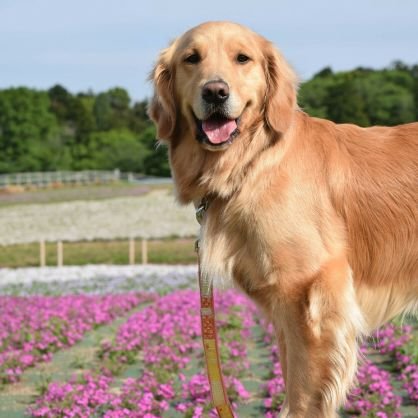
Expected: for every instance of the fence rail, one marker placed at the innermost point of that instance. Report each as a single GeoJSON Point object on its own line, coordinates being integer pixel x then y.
{"type": "Point", "coordinates": [49, 178]}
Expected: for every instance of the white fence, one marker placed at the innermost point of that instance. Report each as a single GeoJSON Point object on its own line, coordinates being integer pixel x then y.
{"type": "Point", "coordinates": [49, 178]}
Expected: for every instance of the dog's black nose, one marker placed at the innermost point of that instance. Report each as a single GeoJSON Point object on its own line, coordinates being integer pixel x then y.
{"type": "Point", "coordinates": [215, 92]}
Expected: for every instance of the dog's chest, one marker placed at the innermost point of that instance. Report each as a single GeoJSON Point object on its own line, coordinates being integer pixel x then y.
{"type": "Point", "coordinates": [233, 245]}
{"type": "Point", "coordinates": [260, 243]}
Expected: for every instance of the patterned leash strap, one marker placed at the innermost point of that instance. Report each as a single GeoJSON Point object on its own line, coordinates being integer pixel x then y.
{"type": "Point", "coordinates": [210, 345]}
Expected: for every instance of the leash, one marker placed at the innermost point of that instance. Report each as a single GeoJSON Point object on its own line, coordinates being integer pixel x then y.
{"type": "Point", "coordinates": [209, 335]}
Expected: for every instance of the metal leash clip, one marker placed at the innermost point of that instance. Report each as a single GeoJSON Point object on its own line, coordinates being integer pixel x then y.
{"type": "Point", "coordinates": [201, 210]}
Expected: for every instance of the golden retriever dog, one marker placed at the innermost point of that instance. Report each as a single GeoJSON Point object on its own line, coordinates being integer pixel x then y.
{"type": "Point", "coordinates": [315, 221]}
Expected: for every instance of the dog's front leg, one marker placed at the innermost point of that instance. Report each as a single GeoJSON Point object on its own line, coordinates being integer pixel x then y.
{"type": "Point", "coordinates": [319, 322]}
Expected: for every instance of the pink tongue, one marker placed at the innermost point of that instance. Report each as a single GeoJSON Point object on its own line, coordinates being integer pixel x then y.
{"type": "Point", "coordinates": [218, 130]}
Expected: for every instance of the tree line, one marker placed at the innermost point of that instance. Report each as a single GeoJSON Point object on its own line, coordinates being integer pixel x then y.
{"type": "Point", "coordinates": [364, 96]}
{"type": "Point", "coordinates": [57, 130]}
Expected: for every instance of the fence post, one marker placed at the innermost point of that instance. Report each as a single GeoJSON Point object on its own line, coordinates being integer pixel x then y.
{"type": "Point", "coordinates": [60, 254]}
{"type": "Point", "coordinates": [131, 251]}
{"type": "Point", "coordinates": [42, 253]}
{"type": "Point", "coordinates": [144, 251]}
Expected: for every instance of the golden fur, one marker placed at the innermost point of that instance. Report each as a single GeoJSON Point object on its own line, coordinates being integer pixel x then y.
{"type": "Point", "coordinates": [315, 221]}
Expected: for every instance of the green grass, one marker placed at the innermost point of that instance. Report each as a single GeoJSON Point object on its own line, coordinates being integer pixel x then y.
{"type": "Point", "coordinates": [169, 251]}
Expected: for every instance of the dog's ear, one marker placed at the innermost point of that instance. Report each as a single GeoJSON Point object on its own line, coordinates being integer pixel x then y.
{"type": "Point", "coordinates": [280, 101]}
{"type": "Point", "coordinates": [162, 109]}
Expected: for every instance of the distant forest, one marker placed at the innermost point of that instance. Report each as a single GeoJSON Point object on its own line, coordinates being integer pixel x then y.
{"type": "Point", "coordinates": [56, 130]}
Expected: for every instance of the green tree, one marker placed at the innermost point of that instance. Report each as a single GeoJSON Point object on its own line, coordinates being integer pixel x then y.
{"type": "Point", "coordinates": [75, 117]}
{"type": "Point", "coordinates": [156, 159]}
{"type": "Point", "coordinates": [75, 113]}
{"type": "Point", "coordinates": [115, 149]}
{"type": "Point", "coordinates": [362, 96]}
{"type": "Point", "coordinates": [412, 72]}
{"type": "Point", "coordinates": [345, 104]}
{"type": "Point", "coordinates": [139, 120]}
{"type": "Point", "coordinates": [26, 125]}
{"type": "Point", "coordinates": [313, 93]}
{"type": "Point", "coordinates": [112, 109]}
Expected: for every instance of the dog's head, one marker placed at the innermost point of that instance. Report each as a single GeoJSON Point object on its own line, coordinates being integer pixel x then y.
{"type": "Point", "coordinates": [220, 80]}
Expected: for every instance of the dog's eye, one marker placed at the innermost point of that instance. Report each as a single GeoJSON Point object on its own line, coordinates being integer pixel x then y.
{"type": "Point", "coordinates": [242, 58]}
{"type": "Point", "coordinates": [192, 58]}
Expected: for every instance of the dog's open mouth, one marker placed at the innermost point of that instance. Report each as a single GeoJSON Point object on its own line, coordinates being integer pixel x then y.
{"type": "Point", "coordinates": [217, 130]}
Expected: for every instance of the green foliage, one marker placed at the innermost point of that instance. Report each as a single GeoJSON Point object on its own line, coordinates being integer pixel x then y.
{"type": "Point", "coordinates": [156, 160]}
{"type": "Point", "coordinates": [363, 96]}
{"type": "Point", "coordinates": [112, 109]}
{"type": "Point", "coordinates": [26, 128]}
{"type": "Point", "coordinates": [410, 349]}
{"type": "Point", "coordinates": [344, 102]}
{"type": "Point", "coordinates": [116, 149]}
{"type": "Point", "coordinates": [59, 130]}
{"type": "Point", "coordinates": [139, 120]}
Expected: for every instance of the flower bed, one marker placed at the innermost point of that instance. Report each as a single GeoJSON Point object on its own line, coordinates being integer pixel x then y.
{"type": "Point", "coordinates": [32, 328]}
{"type": "Point", "coordinates": [373, 397]}
{"type": "Point", "coordinates": [162, 342]}
{"type": "Point", "coordinates": [166, 336]}
{"type": "Point", "coordinates": [165, 339]}
{"type": "Point", "coordinates": [400, 343]}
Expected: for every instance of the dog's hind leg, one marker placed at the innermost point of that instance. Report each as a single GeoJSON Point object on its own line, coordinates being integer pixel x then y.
{"type": "Point", "coordinates": [321, 322]}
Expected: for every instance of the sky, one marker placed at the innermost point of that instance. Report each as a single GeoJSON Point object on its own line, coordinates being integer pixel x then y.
{"type": "Point", "coordinates": [100, 44]}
